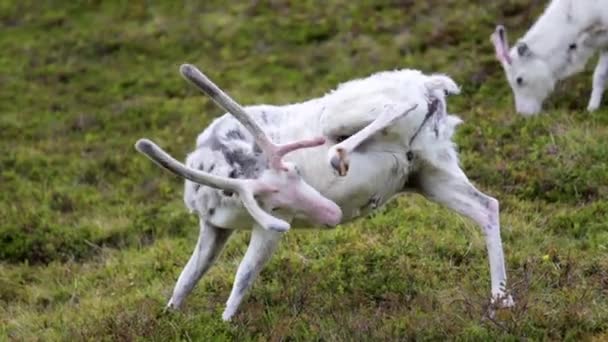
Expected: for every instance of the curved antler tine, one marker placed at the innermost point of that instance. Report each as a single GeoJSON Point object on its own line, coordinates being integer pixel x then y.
{"type": "Point", "coordinates": [245, 188]}
{"type": "Point", "coordinates": [273, 151]}
{"type": "Point", "coordinates": [196, 77]}
{"type": "Point", "coordinates": [282, 150]}
{"type": "Point", "coordinates": [163, 159]}
{"type": "Point", "coordinates": [264, 219]}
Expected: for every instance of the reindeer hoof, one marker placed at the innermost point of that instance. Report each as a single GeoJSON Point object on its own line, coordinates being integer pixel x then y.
{"type": "Point", "coordinates": [227, 315]}
{"type": "Point", "coordinates": [592, 107]}
{"type": "Point", "coordinates": [502, 301]}
{"type": "Point", "coordinates": [170, 307]}
{"type": "Point", "coordinates": [279, 229]}
{"type": "Point", "coordinates": [339, 163]}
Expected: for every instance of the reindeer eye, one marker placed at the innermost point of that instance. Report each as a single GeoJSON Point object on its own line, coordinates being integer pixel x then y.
{"type": "Point", "coordinates": [572, 46]}
{"type": "Point", "coordinates": [341, 138]}
{"type": "Point", "coordinates": [520, 81]}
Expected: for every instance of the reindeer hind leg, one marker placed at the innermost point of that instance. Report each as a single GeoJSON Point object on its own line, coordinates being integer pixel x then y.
{"type": "Point", "coordinates": [449, 186]}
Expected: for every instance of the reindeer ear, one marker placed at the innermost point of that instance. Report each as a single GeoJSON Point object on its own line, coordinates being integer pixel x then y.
{"type": "Point", "coordinates": [523, 50]}
{"type": "Point", "coordinates": [501, 44]}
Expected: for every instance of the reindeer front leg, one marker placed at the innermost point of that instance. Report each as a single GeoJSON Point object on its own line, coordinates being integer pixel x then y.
{"type": "Point", "coordinates": [262, 245]}
{"type": "Point", "coordinates": [210, 243]}
{"type": "Point", "coordinates": [450, 186]}
{"type": "Point", "coordinates": [600, 77]}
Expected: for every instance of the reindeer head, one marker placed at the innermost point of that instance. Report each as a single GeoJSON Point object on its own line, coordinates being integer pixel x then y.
{"type": "Point", "coordinates": [280, 186]}
{"type": "Point", "coordinates": [529, 76]}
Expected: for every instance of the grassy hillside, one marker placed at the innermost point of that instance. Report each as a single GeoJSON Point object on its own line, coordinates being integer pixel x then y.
{"type": "Point", "coordinates": [93, 235]}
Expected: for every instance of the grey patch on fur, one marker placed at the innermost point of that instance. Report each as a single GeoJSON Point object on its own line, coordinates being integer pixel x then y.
{"type": "Point", "coordinates": [235, 134]}
{"type": "Point", "coordinates": [481, 198]}
{"type": "Point", "coordinates": [409, 155]}
{"type": "Point", "coordinates": [437, 107]}
{"type": "Point", "coordinates": [256, 149]}
{"type": "Point", "coordinates": [373, 202]}
{"type": "Point", "coordinates": [245, 165]}
{"type": "Point", "coordinates": [264, 117]}
{"type": "Point", "coordinates": [212, 142]}
{"type": "Point", "coordinates": [433, 106]}
{"type": "Point", "coordinates": [246, 280]}
{"type": "Point", "coordinates": [215, 144]}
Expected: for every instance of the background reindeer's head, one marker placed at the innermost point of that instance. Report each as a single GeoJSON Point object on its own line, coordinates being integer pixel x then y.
{"type": "Point", "coordinates": [529, 76]}
{"type": "Point", "coordinates": [533, 76]}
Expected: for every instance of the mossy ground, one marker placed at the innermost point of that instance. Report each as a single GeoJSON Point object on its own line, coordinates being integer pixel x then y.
{"type": "Point", "coordinates": [93, 235]}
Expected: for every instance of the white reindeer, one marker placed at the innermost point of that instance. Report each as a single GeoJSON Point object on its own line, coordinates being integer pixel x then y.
{"type": "Point", "coordinates": [558, 45]}
{"type": "Point", "coordinates": [383, 135]}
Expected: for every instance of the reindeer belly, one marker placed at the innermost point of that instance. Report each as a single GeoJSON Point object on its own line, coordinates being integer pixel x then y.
{"type": "Point", "coordinates": [372, 180]}
{"type": "Point", "coordinates": [366, 189]}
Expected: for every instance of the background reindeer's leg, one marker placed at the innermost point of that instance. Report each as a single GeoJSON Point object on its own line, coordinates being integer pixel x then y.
{"type": "Point", "coordinates": [262, 245]}
{"type": "Point", "coordinates": [600, 77]}
{"type": "Point", "coordinates": [450, 187]}
{"type": "Point", "coordinates": [211, 240]}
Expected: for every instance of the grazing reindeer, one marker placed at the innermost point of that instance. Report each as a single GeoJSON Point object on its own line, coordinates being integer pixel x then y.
{"type": "Point", "coordinates": [558, 45]}
{"type": "Point", "coordinates": [383, 135]}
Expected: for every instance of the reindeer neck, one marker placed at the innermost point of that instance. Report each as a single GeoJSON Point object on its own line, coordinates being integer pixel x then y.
{"type": "Point", "coordinates": [561, 25]}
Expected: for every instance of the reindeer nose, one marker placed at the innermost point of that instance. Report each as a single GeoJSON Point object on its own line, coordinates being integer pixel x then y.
{"type": "Point", "coordinates": [327, 213]}
{"type": "Point", "coordinates": [339, 162]}
{"type": "Point", "coordinates": [333, 215]}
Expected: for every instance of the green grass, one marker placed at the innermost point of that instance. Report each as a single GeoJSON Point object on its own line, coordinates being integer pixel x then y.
{"type": "Point", "coordinates": [93, 235]}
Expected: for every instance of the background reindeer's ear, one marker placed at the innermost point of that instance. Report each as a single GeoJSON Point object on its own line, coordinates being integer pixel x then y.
{"type": "Point", "coordinates": [501, 44]}
{"type": "Point", "coordinates": [442, 82]}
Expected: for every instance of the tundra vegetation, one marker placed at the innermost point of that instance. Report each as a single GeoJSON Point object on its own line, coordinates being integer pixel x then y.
{"type": "Point", "coordinates": [93, 235]}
